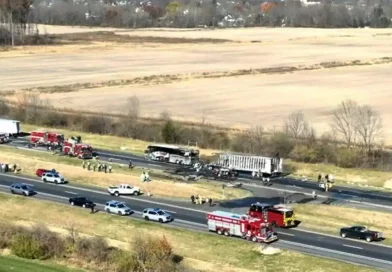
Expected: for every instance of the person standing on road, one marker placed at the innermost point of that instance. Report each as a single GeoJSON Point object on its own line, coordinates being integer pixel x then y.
{"type": "Point", "coordinates": [130, 164]}
{"type": "Point", "coordinates": [89, 166]}
{"type": "Point", "coordinates": [95, 167]}
{"type": "Point", "coordinates": [83, 165]}
{"type": "Point", "coordinates": [319, 177]}
{"type": "Point", "coordinates": [193, 199]}
{"type": "Point", "coordinates": [210, 201]}
{"type": "Point", "coordinates": [92, 209]}
{"type": "Point", "coordinates": [105, 167]}
{"type": "Point", "coordinates": [110, 169]}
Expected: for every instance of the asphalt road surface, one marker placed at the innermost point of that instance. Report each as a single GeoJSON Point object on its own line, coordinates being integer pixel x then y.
{"type": "Point", "coordinates": [338, 194]}
{"type": "Point", "coordinates": [194, 217]}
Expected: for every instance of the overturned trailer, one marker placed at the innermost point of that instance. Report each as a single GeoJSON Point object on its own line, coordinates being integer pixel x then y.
{"type": "Point", "coordinates": [265, 166]}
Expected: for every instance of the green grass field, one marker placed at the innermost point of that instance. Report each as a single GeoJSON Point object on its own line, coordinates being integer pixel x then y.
{"type": "Point", "coordinates": [10, 263]}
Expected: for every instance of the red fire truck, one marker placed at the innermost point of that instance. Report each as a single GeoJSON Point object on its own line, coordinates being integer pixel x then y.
{"type": "Point", "coordinates": [46, 138]}
{"type": "Point", "coordinates": [74, 147]}
{"type": "Point", "coordinates": [230, 224]}
{"type": "Point", "coordinates": [278, 215]}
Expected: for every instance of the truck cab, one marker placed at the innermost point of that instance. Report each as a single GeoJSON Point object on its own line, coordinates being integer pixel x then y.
{"type": "Point", "coordinates": [277, 215]}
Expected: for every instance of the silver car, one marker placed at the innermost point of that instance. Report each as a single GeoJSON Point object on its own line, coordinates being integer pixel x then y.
{"type": "Point", "coordinates": [22, 189]}
{"type": "Point", "coordinates": [117, 207]}
{"type": "Point", "coordinates": [157, 215]}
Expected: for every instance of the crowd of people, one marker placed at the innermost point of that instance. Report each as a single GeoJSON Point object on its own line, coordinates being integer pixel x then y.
{"type": "Point", "coordinates": [100, 167]}
{"type": "Point", "coordinates": [199, 200]}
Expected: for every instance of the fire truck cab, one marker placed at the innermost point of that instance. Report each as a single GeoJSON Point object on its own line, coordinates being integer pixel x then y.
{"type": "Point", "coordinates": [230, 224]}
{"type": "Point", "coordinates": [46, 138]}
{"type": "Point", "coordinates": [74, 147]}
{"type": "Point", "coordinates": [278, 215]}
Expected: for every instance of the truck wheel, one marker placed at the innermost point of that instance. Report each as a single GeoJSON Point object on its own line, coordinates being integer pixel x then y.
{"type": "Point", "coordinates": [254, 239]}
{"type": "Point", "coordinates": [44, 180]}
{"type": "Point", "coordinates": [343, 235]}
{"type": "Point", "coordinates": [136, 193]}
{"type": "Point", "coordinates": [219, 231]}
{"type": "Point", "coordinates": [72, 203]}
{"type": "Point", "coordinates": [226, 233]}
{"type": "Point", "coordinates": [160, 220]}
{"type": "Point", "coordinates": [116, 194]}
{"type": "Point", "coordinates": [108, 210]}
{"type": "Point", "coordinates": [146, 217]}
{"type": "Point", "coordinates": [84, 205]}
{"type": "Point", "coordinates": [368, 239]}
{"type": "Point", "coordinates": [120, 213]}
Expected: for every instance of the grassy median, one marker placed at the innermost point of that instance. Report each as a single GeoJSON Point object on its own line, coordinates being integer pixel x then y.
{"type": "Point", "coordinates": [201, 251]}
{"type": "Point", "coordinates": [10, 263]}
{"type": "Point", "coordinates": [343, 176]}
{"type": "Point", "coordinates": [30, 161]}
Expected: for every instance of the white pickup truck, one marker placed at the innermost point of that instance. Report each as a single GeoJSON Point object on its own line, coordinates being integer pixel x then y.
{"type": "Point", "coordinates": [124, 189]}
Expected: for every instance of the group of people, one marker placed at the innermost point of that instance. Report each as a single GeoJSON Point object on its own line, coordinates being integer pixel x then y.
{"type": "Point", "coordinates": [4, 168]}
{"type": "Point", "coordinates": [199, 200]}
{"type": "Point", "coordinates": [328, 178]}
{"type": "Point", "coordinates": [101, 167]}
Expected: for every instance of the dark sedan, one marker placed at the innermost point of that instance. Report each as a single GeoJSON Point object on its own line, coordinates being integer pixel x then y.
{"type": "Point", "coordinates": [22, 189]}
{"type": "Point", "coordinates": [81, 201]}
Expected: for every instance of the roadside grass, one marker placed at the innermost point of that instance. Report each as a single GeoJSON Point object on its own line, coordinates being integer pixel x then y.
{"type": "Point", "coordinates": [329, 219]}
{"type": "Point", "coordinates": [30, 161]}
{"type": "Point", "coordinates": [201, 251]}
{"type": "Point", "coordinates": [11, 263]}
{"type": "Point", "coordinates": [343, 176]}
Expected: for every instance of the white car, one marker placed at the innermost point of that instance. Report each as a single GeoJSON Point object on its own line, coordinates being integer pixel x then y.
{"type": "Point", "coordinates": [117, 207]}
{"type": "Point", "coordinates": [157, 215]}
{"type": "Point", "coordinates": [124, 189]}
{"type": "Point", "coordinates": [53, 177]}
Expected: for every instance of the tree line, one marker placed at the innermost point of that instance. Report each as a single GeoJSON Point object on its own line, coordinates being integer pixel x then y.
{"type": "Point", "coordinates": [17, 17]}
{"type": "Point", "coordinates": [39, 243]}
{"type": "Point", "coordinates": [354, 138]}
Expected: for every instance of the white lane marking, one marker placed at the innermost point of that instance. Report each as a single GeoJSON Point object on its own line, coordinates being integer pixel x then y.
{"type": "Point", "coordinates": [288, 234]}
{"type": "Point", "coordinates": [169, 211]}
{"type": "Point", "coordinates": [154, 165]}
{"type": "Point", "coordinates": [338, 237]}
{"type": "Point", "coordinates": [352, 246]}
{"type": "Point", "coordinates": [72, 193]}
{"type": "Point", "coordinates": [103, 193]}
{"type": "Point", "coordinates": [334, 251]}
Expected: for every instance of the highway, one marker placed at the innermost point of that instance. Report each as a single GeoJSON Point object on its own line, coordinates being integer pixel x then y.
{"type": "Point", "coordinates": [188, 216]}
{"type": "Point", "coordinates": [375, 199]}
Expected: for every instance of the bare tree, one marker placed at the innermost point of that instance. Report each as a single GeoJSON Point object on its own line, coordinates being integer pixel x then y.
{"type": "Point", "coordinates": [296, 125]}
{"type": "Point", "coordinates": [368, 125]}
{"type": "Point", "coordinates": [344, 120]}
{"type": "Point", "coordinates": [132, 125]}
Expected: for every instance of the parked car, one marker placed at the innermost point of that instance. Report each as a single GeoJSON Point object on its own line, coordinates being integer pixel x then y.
{"type": "Point", "coordinates": [117, 207]}
{"type": "Point", "coordinates": [157, 215]}
{"type": "Point", "coordinates": [22, 189]}
{"type": "Point", "coordinates": [124, 189]}
{"type": "Point", "coordinates": [360, 232]}
{"type": "Point", "coordinates": [81, 201]}
{"type": "Point", "coordinates": [52, 177]}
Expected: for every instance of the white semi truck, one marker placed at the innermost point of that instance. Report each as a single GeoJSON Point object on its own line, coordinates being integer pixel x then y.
{"type": "Point", "coordinates": [10, 127]}
{"type": "Point", "coordinates": [256, 164]}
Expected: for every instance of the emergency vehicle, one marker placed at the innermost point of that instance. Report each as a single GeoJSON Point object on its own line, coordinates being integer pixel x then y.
{"type": "Point", "coordinates": [46, 138]}
{"type": "Point", "coordinates": [75, 148]}
{"type": "Point", "coordinates": [278, 215]}
{"type": "Point", "coordinates": [230, 224]}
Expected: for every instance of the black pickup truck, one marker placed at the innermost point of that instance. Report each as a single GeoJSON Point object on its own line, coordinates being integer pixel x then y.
{"type": "Point", "coordinates": [361, 232]}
